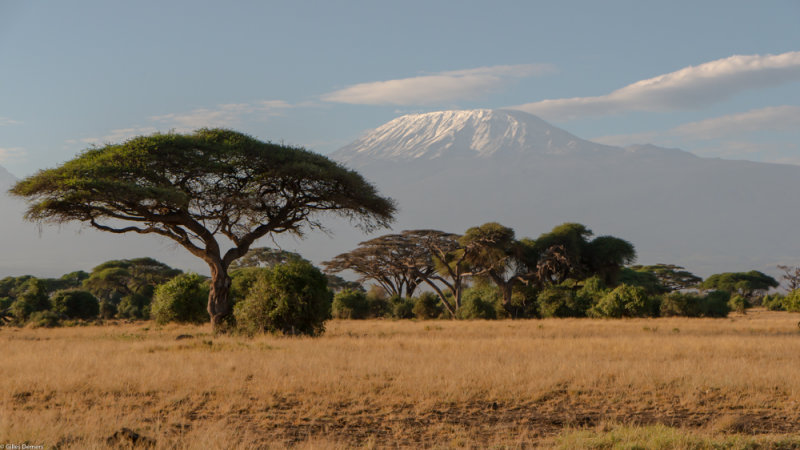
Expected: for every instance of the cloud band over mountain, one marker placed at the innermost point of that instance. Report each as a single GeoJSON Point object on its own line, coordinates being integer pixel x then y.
{"type": "Point", "coordinates": [688, 88]}
{"type": "Point", "coordinates": [436, 88]}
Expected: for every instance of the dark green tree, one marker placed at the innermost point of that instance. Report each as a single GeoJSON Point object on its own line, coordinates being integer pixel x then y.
{"type": "Point", "coordinates": [181, 299]}
{"type": "Point", "coordinates": [33, 297]}
{"type": "Point", "coordinates": [671, 277]}
{"type": "Point", "coordinates": [75, 304]}
{"type": "Point", "coordinates": [566, 252]}
{"type": "Point", "coordinates": [195, 188]}
{"type": "Point", "coordinates": [749, 285]}
{"type": "Point", "coordinates": [494, 253]}
{"type": "Point", "coordinates": [127, 285]}
{"type": "Point", "coordinates": [290, 298]}
{"type": "Point", "coordinates": [350, 305]}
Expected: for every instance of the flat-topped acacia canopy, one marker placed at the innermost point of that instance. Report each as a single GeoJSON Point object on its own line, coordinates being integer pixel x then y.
{"type": "Point", "coordinates": [194, 187]}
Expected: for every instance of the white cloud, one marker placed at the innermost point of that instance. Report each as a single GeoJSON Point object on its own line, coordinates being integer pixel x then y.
{"type": "Point", "coordinates": [689, 88]}
{"type": "Point", "coordinates": [730, 136]}
{"type": "Point", "coordinates": [5, 121]}
{"type": "Point", "coordinates": [12, 154]}
{"type": "Point", "coordinates": [117, 136]}
{"type": "Point", "coordinates": [228, 115]}
{"type": "Point", "coordinates": [221, 116]}
{"type": "Point", "coordinates": [435, 88]}
{"type": "Point", "coordinates": [772, 118]}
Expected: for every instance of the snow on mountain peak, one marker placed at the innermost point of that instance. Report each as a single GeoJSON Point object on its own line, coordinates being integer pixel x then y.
{"type": "Point", "coordinates": [479, 133]}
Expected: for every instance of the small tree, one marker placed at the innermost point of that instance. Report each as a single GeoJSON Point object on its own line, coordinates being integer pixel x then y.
{"type": "Point", "coordinates": [195, 188]}
{"type": "Point", "coordinates": [393, 261]}
{"type": "Point", "coordinates": [32, 298]}
{"type": "Point", "coordinates": [791, 275]}
{"type": "Point", "coordinates": [75, 304]}
{"type": "Point", "coordinates": [670, 276]}
{"type": "Point", "coordinates": [291, 298]}
{"type": "Point", "coordinates": [350, 305]}
{"type": "Point", "coordinates": [626, 301]}
{"type": "Point", "coordinates": [750, 286]}
{"type": "Point", "coordinates": [182, 300]}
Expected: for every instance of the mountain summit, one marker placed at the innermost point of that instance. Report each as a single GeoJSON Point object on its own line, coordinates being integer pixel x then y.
{"type": "Point", "coordinates": [480, 133]}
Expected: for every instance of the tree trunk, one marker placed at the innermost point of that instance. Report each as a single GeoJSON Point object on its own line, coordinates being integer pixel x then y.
{"type": "Point", "coordinates": [219, 298]}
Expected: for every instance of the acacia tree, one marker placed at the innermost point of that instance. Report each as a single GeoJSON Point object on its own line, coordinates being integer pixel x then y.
{"type": "Point", "coordinates": [750, 285]}
{"type": "Point", "coordinates": [494, 252]}
{"type": "Point", "coordinates": [391, 260]}
{"type": "Point", "coordinates": [571, 254]}
{"type": "Point", "coordinates": [194, 188]}
{"type": "Point", "coordinates": [670, 276]}
{"type": "Point", "coordinates": [791, 275]}
{"type": "Point", "coordinates": [449, 260]}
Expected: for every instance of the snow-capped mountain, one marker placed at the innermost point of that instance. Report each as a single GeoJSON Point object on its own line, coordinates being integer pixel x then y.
{"type": "Point", "coordinates": [475, 133]}
{"type": "Point", "coordinates": [455, 169]}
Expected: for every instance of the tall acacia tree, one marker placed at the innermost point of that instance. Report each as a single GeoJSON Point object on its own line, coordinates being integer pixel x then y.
{"type": "Point", "coordinates": [194, 188]}
{"type": "Point", "coordinates": [389, 260]}
{"type": "Point", "coordinates": [495, 253]}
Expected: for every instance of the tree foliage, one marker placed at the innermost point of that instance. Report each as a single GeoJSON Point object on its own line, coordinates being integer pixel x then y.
{"type": "Point", "coordinates": [181, 300]}
{"type": "Point", "coordinates": [75, 304]}
{"type": "Point", "coordinates": [290, 298]}
{"type": "Point", "coordinates": [748, 285]}
{"type": "Point", "coordinates": [195, 188]}
{"type": "Point", "coordinates": [394, 261]}
{"type": "Point", "coordinates": [670, 276]}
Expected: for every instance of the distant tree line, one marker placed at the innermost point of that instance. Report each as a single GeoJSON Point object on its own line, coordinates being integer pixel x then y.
{"type": "Point", "coordinates": [488, 273]}
{"type": "Point", "coordinates": [275, 291]}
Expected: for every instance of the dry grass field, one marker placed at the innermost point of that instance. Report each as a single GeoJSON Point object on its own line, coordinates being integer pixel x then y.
{"type": "Point", "coordinates": [568, 383]}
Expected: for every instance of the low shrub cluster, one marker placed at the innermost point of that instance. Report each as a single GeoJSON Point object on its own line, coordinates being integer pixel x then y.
{"type": "Point", "coordinates": [586, 298]}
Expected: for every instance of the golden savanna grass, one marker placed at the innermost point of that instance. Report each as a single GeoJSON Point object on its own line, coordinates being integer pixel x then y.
{"type": "Point", "coordinates": [567, 382]}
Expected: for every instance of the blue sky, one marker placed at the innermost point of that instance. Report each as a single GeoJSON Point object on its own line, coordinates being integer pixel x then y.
{"type": "Point", "coordinates": [717, 78]}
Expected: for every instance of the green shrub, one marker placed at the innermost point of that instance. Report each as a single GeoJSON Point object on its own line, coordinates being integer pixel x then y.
{"type": "Point", "coordinates": [689, 304]}
{"type": "Point", "coordinates": [427, 306]}
{"type": "Point", "coordinates": [738, 303]}
{"type": "Point", "coordinates": [243, 279]}
{"type": "Point", "coordinates": [402, 308]}
{"type": "Point", "coordinates": [350, 304]}
{"type": "Point", "coordinates": [476, 308]}
{"type": "Point", "coordinates": [43, 319]}
{"type": "Point", "coordinates": [379, 307]}
{"type": "Point", "coordinates": [523, 302]}
{"type": "Point", "coordinates": [681, 304]}
{"type": "Point", "coordinates": [561, 301]}
{"type": "Point", "coordinates": [108, 310]}
{"type": "Point", "coordinates": [716, 304]}
{"type": "Point", "coordinates": [479, 302]}
{"type": "Point", "coordinates": [32, 298]}
{"type": "Point", "coordinates": [626, 301]}
{"type": "Point", "coordinates": [134, 306]}
{"type": "Point", "coordinates": [792, 301]}
{"type": "Point", "coordinates": [75, 304]}
{"type": "Point", "coordinates": [291, 298]}
{"type": "Point", "coordinates": [183, 299]}
{"type": "Point", "coordinates": [773, 302]}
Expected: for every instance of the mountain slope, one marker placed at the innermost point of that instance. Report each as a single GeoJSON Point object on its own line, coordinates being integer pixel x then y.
{"type": "Point", "coordinates": [456, 169]}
